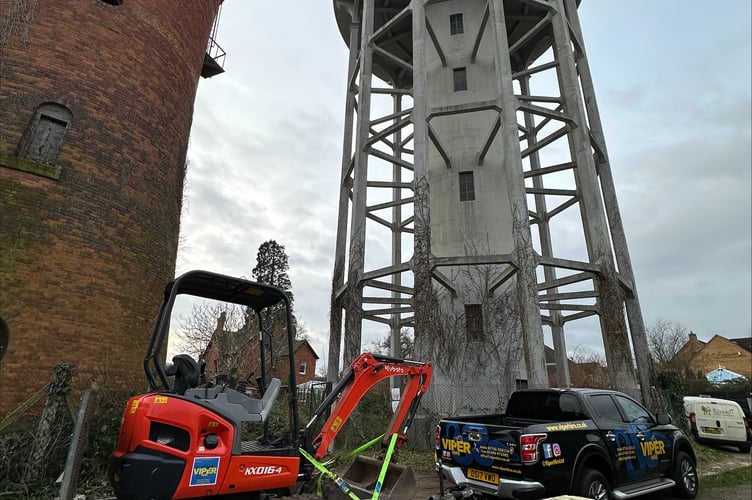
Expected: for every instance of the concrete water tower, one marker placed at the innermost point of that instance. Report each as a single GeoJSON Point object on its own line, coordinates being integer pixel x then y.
{"type": "Point", "coordinates": [473, 147]}
{"type": "Point", "coordinates": [96, 105]}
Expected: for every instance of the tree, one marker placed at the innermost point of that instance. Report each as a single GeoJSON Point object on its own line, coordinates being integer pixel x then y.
{"type": "Point", "coordinates": [407, 345]}
{"type": "Point", "coordinates": [213, 326]}
{"type": "Point", "coordinates": [588, 369]}
{"type": "Point", "coordinates": [271, 267]}
{"type": "Point", "coordinates": [226, 336]}
{"type": "Point", "coordinates": [665, 339]}
{"type": "Point", "coordinates": [695, 382]}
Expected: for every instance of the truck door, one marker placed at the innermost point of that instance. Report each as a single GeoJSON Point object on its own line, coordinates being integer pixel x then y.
{"type": "Point", "coordinates": [624, 440]}
{"type": "Point", "coordinates": [655, 445]}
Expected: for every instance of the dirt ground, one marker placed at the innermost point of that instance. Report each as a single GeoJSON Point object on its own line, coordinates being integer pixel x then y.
{"type": "Point", "coordinates": [428, 483]}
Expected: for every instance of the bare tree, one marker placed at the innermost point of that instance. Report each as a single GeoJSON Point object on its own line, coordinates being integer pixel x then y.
{"type": "Point", "coordinates": [209, 323]}
{"type": "Point", "coordinates": [588, 369]}
{"type": "Point", "coordinates": [665, 339]}
{"type": "Point", "coordinates": [407, 344]}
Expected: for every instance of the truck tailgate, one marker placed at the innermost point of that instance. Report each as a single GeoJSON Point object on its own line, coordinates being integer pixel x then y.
{"type": "Point", "coordinates": [484, 452]}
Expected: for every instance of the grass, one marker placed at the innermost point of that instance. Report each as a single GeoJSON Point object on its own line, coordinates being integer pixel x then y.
{"type": "Point", "coordinates": [419, 461]}
{"type": "Point", "coordinates": [734, 477]}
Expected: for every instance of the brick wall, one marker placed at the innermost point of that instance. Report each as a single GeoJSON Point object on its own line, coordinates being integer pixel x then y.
{"type": "Point", "coordinates": [84, 255]}
{"type": "Point", "coordinates": [304, 353]}
{"type": "Point", "coordinates": [720, 351]}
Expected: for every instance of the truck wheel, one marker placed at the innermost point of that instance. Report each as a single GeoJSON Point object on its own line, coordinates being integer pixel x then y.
{"type": "Point", "coordinates": [594, 485]}
{"type": "Point", "coordinates": [685, 475]}
{"type": "Point", "coordinates": [745, 448]}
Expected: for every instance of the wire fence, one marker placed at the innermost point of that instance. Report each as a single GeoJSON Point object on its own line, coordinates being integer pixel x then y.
{"type": "Point", "coordinates": [35, 437]}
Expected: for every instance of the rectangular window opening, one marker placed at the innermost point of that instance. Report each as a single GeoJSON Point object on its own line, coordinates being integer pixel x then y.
{"type": "Point", "coordinates": [303, 367]}
{"type": "Point", "coordinates": [460, 79]}
{"type": "Point", "coordinates": [455, 24]}
{"type": "Point", "coordinates": [474, 322]}
{"type": "Point", "coordinates": [467, 186]}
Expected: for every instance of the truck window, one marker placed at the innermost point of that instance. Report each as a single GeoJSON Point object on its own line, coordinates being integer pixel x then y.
{"type": "Point", "coordinates": [545, 406]}
{"type": "Point", "coordinates": [605, 407]}
{"type": "Point", "coordinates": [634, 412]}
{"type": "Point", "coordinates": [570, 407]}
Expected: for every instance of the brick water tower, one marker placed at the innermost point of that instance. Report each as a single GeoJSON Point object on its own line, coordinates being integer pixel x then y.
{"type": "Point", "coordinates": [96, 103]}
{"type": "Point", "coordinates": [476, 204]}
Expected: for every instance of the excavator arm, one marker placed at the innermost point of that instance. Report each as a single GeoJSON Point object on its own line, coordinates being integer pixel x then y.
{"type": "Point", "coordinates": [366, 371]}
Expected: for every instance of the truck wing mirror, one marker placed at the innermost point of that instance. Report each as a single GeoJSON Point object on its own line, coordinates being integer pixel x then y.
{"type": "Point", "coordinates": [663, 418]}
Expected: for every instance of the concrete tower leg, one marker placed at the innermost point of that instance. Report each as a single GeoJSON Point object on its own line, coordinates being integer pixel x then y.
{"type": "Point", "coordinates": [613, 327]}
{"type": "Point", "coordinates": [603, 166]}
{"type": "Point", "coordinates": [524, 253]}
{"type": "Point", "coordinates": [345, 188]}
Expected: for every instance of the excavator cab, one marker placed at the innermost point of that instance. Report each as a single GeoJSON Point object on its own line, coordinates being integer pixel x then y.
{"type": "Point", "coordinates": [191, 434]}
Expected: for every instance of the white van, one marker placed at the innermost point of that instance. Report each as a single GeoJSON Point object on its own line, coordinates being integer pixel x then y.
{"type": "Point", "coordinates": [718, 421]}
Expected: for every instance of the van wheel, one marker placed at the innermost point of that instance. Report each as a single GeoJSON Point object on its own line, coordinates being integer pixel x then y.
{"type": "Point", "coordinates": [685, 475]}
{"type": "Point", "coordinates": [745, 448]}
{"type": "Point", "coordinates": [594, 485]}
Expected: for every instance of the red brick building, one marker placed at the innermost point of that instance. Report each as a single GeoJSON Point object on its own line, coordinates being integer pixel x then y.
{"type": "Point", "coordinates": [240, 351]}
{"type": "Point", "coordinates": [96, 104]}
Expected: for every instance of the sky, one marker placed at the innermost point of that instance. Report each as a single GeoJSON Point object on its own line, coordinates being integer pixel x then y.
{"type": "Point", "coordinates": [672, 79]}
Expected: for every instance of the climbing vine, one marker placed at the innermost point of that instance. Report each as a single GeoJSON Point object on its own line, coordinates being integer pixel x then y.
{"type": "Point", "coordinates": [16, 22]}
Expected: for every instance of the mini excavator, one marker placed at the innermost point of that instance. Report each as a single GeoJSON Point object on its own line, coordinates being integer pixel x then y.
{"type": "Point", "coordinates": [190, 438]}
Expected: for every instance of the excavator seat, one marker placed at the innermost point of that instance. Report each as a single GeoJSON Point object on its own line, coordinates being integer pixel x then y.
{"type": "Point", "coordinates": [186, 372]}
{"type": "Point", "coordinates": [236, 405]}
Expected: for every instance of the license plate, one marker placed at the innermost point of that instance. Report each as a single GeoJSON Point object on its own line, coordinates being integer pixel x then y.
{"type": "Point", "coordinates": [712, 430]}
{"type": "Point", "coordinates": [481, 475]}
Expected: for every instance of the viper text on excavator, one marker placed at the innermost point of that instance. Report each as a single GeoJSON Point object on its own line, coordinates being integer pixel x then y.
{"type": "Point", "coordinates": [192, 438]}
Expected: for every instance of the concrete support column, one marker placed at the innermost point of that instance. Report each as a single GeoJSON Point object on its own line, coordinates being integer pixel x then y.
{"type": "Point", "coordinates": [544, 232]}
{"type": "Point", "coordinates": [603, 166]}
{"type": "Point", "coordinates": [395, 326]}
{"type": "Point", "coordinates": [423, 296]}
{"type": "Point", "coordinates": [354, 294]}
{"type": "Point", "coordinates": [527, 283]}
{"type": "Point", "coordinates": [613, 326]}
{"type": "Point", "coordinates": [338, 277]}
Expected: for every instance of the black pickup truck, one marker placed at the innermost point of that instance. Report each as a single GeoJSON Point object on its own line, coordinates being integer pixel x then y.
{"type": "Point", "coordinates": [587, 442]}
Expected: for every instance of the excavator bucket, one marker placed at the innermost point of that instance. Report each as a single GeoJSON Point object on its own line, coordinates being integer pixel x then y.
{"type": "Point", "coordinates": [363, 474]}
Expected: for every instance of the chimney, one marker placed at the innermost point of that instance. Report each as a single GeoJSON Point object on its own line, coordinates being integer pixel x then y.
{"type": "Point", "coordinates": [692, 337]}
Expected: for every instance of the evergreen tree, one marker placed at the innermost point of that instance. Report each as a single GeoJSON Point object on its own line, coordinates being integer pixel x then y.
{"type": "Point", "coordinates": [271, 267]}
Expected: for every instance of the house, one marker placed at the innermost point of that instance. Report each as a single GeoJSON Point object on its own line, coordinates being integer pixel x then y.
{"type": "Point", "coordinates": [586, 371]}
{"type": "Point", "coordinates": [239, 350]}
{"type": "Point", "coordinates": [733, 355]}
{"type": "Point", "coordinates": [305, 362]}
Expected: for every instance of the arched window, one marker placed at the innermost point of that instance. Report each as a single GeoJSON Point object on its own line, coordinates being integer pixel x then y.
{"type": "Point", "coordinates": [46, 132]}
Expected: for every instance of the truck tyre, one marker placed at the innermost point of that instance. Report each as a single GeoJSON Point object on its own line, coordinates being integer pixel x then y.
{"type": "Point", "coordinates": [594, 485]}
{"type": "Point", "coordinates": [685, 475]}
{"type": "Point", "coordinates": [745, 448]}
